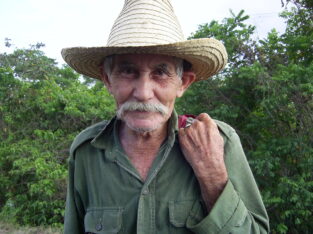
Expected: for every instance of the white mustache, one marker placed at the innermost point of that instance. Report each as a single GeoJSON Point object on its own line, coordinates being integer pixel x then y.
{"type": "Point", "coordinates": [141, 106]}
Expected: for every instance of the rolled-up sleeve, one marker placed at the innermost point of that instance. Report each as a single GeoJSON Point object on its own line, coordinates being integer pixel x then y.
{"type": "Point", "coordinates": [239, 209]}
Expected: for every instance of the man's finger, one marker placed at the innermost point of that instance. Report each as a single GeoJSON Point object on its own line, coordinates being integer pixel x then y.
{"type": "Point", "coordinates": [203, 117]}
{"type": "Point", "coordinates": [181, 131]}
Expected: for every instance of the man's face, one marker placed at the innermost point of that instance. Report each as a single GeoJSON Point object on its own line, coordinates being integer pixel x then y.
{"type": "Point", "coordinates": [145, 79]}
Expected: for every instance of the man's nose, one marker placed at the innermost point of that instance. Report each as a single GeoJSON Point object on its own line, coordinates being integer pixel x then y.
{"type": "Point", "coordinates": [143, 90]}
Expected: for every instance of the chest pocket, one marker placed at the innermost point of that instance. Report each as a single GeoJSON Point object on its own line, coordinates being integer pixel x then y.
{"type": "Point", "coordinates": [181, 211]}
{"type": "Point", "coordinates": [107, 220]}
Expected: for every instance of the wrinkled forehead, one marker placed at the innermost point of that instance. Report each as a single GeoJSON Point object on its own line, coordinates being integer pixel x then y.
{"type": "Point", "coordinates": [149, 60]}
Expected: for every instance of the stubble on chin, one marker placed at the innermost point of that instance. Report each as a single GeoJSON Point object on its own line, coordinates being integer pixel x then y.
{"type": "Point", "coordinates": [156, 125]}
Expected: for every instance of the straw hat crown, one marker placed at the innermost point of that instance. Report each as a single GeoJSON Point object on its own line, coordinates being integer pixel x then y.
{"type": "Point", "coordinates": [149, 27]}
{"type": "Point", "coordinates": [145, 22]}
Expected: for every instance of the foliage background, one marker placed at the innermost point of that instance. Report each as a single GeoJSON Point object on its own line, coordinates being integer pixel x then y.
{"type": "Point", "coordinates": [265, 93]}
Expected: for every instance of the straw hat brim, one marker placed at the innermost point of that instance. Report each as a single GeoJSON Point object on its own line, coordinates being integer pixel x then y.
{"type": "Point", "coordinates": [207, 56]}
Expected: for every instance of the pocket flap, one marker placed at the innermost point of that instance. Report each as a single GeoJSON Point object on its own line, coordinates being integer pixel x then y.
{"type": "Point", "coordinates": [179, 212]}
{"type": "Point", "coordinates": [103, 220]}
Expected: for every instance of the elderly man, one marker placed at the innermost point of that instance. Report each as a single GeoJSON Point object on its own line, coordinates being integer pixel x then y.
{"type": "Point", "coordinates": [148, 170]}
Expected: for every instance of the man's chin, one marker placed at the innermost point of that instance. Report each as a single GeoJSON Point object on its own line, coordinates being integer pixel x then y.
{"type": "Point", "coordinates": [149, 123]}
{"type": "Point", "coordinates": [142, 128]}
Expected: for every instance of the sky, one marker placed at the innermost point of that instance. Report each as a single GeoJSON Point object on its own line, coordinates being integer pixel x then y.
{"type": "Point", "coordinates": [68, 23]}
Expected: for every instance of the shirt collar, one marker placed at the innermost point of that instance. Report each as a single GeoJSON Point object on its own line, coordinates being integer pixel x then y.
{"type": "Point", "coordinates": [103, 139]}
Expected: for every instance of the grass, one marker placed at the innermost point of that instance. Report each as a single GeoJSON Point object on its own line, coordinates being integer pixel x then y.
{"type": "Point", "coordinates": [7, 228]}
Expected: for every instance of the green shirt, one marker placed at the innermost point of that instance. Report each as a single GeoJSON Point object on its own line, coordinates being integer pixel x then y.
{"type": "Point", "coordinates": [107, 195]}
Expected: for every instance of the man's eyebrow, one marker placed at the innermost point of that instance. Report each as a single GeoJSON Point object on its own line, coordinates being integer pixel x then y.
{"type": "Point", "coordinates": [125, 64]}
{"type": "Point", "coordinates": [163, 66]}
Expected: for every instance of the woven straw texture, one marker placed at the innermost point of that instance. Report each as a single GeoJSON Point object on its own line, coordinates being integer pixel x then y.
{"type": "Point", "coordinates": [149, 27]}
{"type": "Point", "coordinates": [145, 22]}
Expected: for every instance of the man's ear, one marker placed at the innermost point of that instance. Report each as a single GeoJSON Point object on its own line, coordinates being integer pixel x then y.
{"type": "Point", "coordinates": [105, 79]}
{"type": "Point", "coordinates": [187, 79]}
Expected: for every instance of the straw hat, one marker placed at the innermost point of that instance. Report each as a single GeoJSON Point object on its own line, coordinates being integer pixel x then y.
{"type": "Point", "coordinates": [149, 27]}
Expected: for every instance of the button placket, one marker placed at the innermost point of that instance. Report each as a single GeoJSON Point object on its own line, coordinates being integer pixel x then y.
{"type": "Point", "coordinates": [145, 191]}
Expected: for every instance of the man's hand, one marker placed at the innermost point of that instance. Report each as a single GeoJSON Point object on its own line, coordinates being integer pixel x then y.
{"type": "Point", "coordinates": [203, 147]}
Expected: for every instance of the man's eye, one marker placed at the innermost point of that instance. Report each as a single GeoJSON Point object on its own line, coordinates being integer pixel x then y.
{"type": "Point", "coordinates": [127, 70]}
{"type": "Point", "coordinates": [160, 72]}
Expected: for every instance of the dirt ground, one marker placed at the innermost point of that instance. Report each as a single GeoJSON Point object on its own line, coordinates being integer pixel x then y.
{"type": "Point", "coordinates": [10, 229]}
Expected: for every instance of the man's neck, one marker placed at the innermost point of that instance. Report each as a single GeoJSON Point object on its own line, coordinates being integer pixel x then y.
{"type": "Point", "coordinates": [142, 148]}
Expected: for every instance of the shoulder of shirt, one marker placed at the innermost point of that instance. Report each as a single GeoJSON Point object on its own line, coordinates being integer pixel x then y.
{"type": "Point", "coordinates": [87, 134]}
{"type": "Point", "coordinates": [226, 129]}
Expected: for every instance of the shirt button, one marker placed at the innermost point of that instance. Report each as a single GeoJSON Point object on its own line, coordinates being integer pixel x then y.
{"type": "Point", "coordinates": [145, 192]}
{"type": "Point", "coordinates": [99, 227]}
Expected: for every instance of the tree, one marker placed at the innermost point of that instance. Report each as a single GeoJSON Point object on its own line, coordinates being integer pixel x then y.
{"type": "Point", "coordinates": [266, 94]}
{"type": "Point", "coordinates": [42, 108]}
